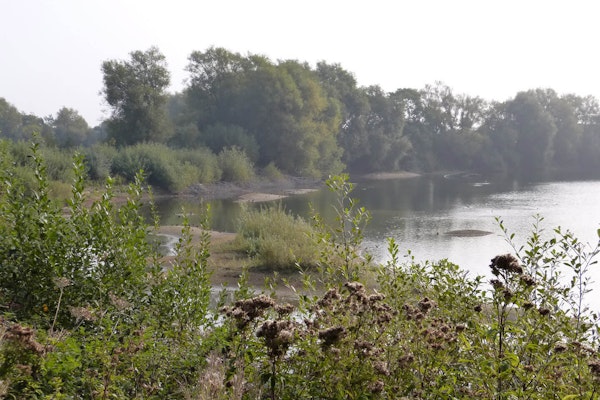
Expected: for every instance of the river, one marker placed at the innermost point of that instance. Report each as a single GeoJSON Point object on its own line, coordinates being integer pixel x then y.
{"type": "Point", "coordinates": [418, 213]}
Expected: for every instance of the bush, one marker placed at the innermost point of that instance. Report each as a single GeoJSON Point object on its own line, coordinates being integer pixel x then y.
{"type": "Point", "coordinates": [59, 163]}
{"type": "Point", "coordinates": [276, 239]}
{"type": "Point", "coordinates": [236, 165]}
{"type": "Point", "coordinates": [271, 172]}
{"type": "Point", "coordinates": [98, 160]}
{"type": "Point", "coordinates": [159, 163]}
{"type": "Point", "coordinates": [205, 161]}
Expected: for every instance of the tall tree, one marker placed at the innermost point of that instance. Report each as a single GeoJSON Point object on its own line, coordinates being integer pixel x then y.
{"type": "Point", "coordinates": [70, 128]}
{"type": "Point", "coordinates": [536, 131]}
{"type": "Point", "coordinates": [11, 120]}
{"type": "Point", "coordinates": [136, 91]}
{"type": "Point", "coordinates": [282, 106]}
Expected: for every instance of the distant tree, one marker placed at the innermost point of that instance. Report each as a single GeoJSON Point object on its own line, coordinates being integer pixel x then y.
{"type": "Point", "coordinates": [567, 140]}
{"type": "Point", "coordinates": [70, 128]}
{"type": "Point", "coordinates": [282, 106]}
{"type": "Point", "coordinates": [11, 121]}
{"type": "Point", "coordinates": [216, 78]}
{"type": "Point", "coordinates": [219, 136]}
{"type": "Point", "coordinates": [386, 146]}
{"type": "Point", "coordinates": [136, 91]}
{"type": "Point", "coordinates": [536, 130]}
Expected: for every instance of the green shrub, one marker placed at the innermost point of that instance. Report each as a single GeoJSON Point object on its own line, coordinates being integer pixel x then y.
{"type": "Point", "coordinates": [204, 160]}
{"type": "Point", "coordinates": [59, 163]}
{"type": "Point", "coordinates": [235, 165]}
{"type": "Point", "coordinates": [98, 160]}
{"type": "Point", "coordinates": [159, 163]}
{"type": "Point", "coordinates": [271, 172]}
{"type": "Point", "coordinates": [275, 238]}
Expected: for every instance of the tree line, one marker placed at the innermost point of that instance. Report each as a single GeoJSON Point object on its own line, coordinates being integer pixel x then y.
{"type": "Point", "coordinates": [314, 121]}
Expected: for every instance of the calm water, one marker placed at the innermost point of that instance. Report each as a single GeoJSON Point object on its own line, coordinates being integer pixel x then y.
{"type": "Point", "coordinates": [418, 212]}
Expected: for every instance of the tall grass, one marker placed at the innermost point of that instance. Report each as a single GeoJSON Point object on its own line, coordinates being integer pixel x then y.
{"type": "Point", "coordinates": [276, 239]}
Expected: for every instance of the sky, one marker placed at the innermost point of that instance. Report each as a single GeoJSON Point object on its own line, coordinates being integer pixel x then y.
{"type": "Point", "coordinates": [51, 51]}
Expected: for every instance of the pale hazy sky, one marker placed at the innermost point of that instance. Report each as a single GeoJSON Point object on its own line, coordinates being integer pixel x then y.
{"type": "Point", "coordinates": [51, 50]}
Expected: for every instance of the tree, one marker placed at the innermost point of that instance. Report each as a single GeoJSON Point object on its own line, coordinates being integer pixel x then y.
{"type": "Point", "coordinates": [10, 120]}
{"type": "Point", "coordinates": [536, 130]}
{"type": "Point", "coordinates": [136, 91]}
{"type": "Point", "coordinates": [70, 128]}
{"type": "Point", "coordinates": [282, 106]}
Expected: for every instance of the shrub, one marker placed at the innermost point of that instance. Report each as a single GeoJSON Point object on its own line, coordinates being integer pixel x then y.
{"type": "Point", "coordinates": [89, 312]}
{"type": "Point", "coordinates": [205, 161]}
{"type": "Point", "coordinates": [271, 172]}
{"type": "Point", "coordinates": [236, 165]}
{"type": "Point", "coordinates": [160, 164]}
{"type": "Point", "coordinates": [98, 160]}
{"type": "Point", "coordinates": [59, 163]}
{"type": "Point", "coordinates": [275, 238]}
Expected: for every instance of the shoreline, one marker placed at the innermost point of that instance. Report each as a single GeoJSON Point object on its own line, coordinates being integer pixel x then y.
{"type": "Point", "coordinates": [226, 265]}
{"type": "Point", "coordinates": [272, 190]}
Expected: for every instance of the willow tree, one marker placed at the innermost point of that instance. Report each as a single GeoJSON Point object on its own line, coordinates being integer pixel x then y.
{"type": "Point", "coordinates": [136, 91]}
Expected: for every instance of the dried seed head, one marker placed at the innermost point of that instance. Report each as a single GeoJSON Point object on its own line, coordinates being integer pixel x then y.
{"type": "Point", "coordinates": [527, 305]}
{"type": "Point", "coordinates": [333, 335]}
{"type": "Point", "coordinates": [354, 286]}
{"type": "Point", "coordinates": [119, 303]}
{"type": "Point", "coordinates": [284, 309]}
{"type": "Point", "coordinates": [61, 282]}
{"type": "Point", "coordinates": [377, 387]}
{"type": "Point", "coordinates": [544, 311]}
{"type": "Point", "coordinates": [506, 262]}
{"type": "Point", "coordinates": [560, 347]}
{"type": "Point", "coordinates": [498, 285]}
{"type": "Point", "coordinates": [328, 298]}
{"type": "Point", "coordinates": [82, 313]}
{"type": "Point", "coordinates": [527, 280]}
{"type": "Point", "coordinates": [594, 365]}
{"type": "Point", "coordinates": [376, 297]}
{"type": "Point", "coordinates": [426, 304]}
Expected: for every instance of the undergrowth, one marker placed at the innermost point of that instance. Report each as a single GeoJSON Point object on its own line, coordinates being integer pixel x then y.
{"type": "Point", "coordinates": [87, 311]}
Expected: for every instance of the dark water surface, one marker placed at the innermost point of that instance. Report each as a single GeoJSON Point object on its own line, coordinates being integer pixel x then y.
{"type": "Point", "coordinates": [418, 213]}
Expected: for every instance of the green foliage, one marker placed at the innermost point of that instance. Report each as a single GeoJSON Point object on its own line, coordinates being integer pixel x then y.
{"type": "Point", "coordinates": [89, 312]}
{"type": "Point", "coordinates": [340, 255]}
{"type": "Point", "coordinates": [70, 129]}
{"type": "Point", "coordinates": [235, 165]}
{"type": "Point", "coordinates": [271, 172]}
{"type": "Point", "coordinates": [164, 168]}
{"type": "Point", "coordinates": [135, 90]}
{"type": "Point", "coordinates": [218, 137]}
{"type": "Point", "coordinates": [275, 239]}
{"type": "Point", "coordinates": [281, 107]}
{"type": "Point", "coordinates": [205, 161]}
{"type": "Point", "coordinates": [96, 315]}
{"type": "Point", "coordinates": [98, 160]}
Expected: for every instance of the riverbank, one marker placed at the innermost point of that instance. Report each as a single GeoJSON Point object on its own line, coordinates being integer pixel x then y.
{"type": "Point", "coordinates": [226, 262]}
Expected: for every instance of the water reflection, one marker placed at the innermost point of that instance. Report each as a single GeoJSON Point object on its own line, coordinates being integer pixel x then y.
{"type": "Point", "coordinates": [417, 212]}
